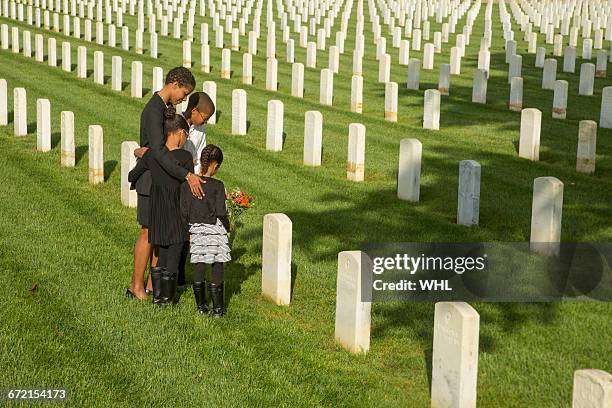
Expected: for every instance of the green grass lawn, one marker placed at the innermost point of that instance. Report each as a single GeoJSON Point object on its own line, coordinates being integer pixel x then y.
{"type": "Point", "coordinates": [74, 241]}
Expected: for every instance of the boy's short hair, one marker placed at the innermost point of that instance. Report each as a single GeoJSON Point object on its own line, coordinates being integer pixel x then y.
{"type": "Point", "coordinates": [182, 76]}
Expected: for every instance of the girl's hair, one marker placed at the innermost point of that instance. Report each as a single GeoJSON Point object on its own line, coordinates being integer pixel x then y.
{"type": "Point", "coordinates": [174, 122]}
{"type": "Point", "coordinates": [202, 102]}
{"type": "Point", "coordinates": [210, 153]}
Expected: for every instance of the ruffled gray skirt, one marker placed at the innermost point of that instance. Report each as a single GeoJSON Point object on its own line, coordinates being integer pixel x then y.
{"type": "Point", "coordinates": [209, 243]}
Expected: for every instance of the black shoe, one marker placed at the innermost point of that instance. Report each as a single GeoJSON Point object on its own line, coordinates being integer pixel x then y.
{"type": "Point", "coordinates": [216, 293]}
{"type": "Point", "coordinates": [156, 274]}
{"type": "Point", "coordinates": [199, 293]}
{"type": "Point", "coordinates": [130, 295]}
{"type": "Point", "coordinates": [168, 285]}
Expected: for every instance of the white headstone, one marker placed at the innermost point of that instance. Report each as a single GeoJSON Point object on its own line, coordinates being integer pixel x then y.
{"type": "Point", "coordinates": [81, 62]}
{"type": "Point", "coordinates": [516, 94]}
{"type": "Point", "coordinates": [431, 114]}
{"type": "Point", "coordinates": [549, 75]}
{"type": "Point", "coordinates": [546, 209]}
{"type": "Point", "coordinates": [357, 94]}
{"type": "Point", "coordinates": [43, 125]}
{"type": "Point", "coordinates": [515, 68]}
{"type": "Point", "coordinates": [99, 67]}
{"type": "Point", "coordinates": [313, 138]}
{"type": "Point", "coordinates": [96, 155]}
{"type": "Point", "coordinates": [601, 67]}
{"type": "Point", "coordinates": [391, 90]}
{"type": "Point", "coordinates": [210, 88]}
{"type": "Point", "coordinates": [592, 389]}
{"type": "Point", "coordinates": [116, 73]}
{"type": "Point", "coordinates": [384, 68]}
{"type": "Point", "coordinates": [158, 79]}
{"type": "Point", "coordinates": [455, 355]}
{"type": "Point", "coordinates": [455, 61]}
{"type": "Point", "coordinates": [444, 79]}
{"type": "Point", "coordinates": [226, 58]}
{"type": "Point", "coordinates": [66, 56]}
{"type": "Point", "coordinates": [605, 117]}
{"type": "Point", "coordinates": [540, 57]}
{"type": "Point", "coordinates": [569, 59]}
{"type": "Point", "coordinates": [326, 95]}
{"type": "Point", "coordinates": [67, 139]}
{"type": "Point", "coordinates": [20, 112]}
{"type": "Point", "coordinates": [479, 87]}
{"type": "Point", "coordinates": [239, 112]}
{"type": "Point", "coordinates": [587, 79]}
{"type": "Point", "coordinates": [136, 85]}
{"type": "Point", "coordinates": [311, 55]}
{"type": "Point", "coordinates": [297, 80]}
{"type": "Point", "coordinates": [428, 56]}
{"type": "Point", "coordinates": [187, 54]}
{"type": "Point", "coordinates": [128, 162]}
{"type": "Point", "coordinates": [276, 258]}
{"type": "Point", "coordinates": [274, 134]}
{"type": "Point", "coordinates": [355, 164]}
{"type": "Point", "coordinates": [468, 207]}
{"type": "Point", "coordinates": [271, 74]}
{"type": "Point", "coordinates": [3, 102]}
{"type": "Point", "coordinates": [529, 144]}
{"type": "Point", "coordinates": [587, 142]}
{"type": "Point", "coordinates": [414, 74]}
{"type": "Point", "coordinates": [559, 109]}
{"type": "Point", "coordinates": [409, 172]}
{"type": "Point", "coordinates": [352, 328]}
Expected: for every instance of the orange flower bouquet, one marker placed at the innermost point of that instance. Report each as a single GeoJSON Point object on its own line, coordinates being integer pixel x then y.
{"type": "Point", "coordinates": [237, 203]}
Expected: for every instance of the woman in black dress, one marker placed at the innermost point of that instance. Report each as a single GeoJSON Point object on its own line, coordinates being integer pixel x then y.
{"type": "Point", "coordinates": [166, 227]}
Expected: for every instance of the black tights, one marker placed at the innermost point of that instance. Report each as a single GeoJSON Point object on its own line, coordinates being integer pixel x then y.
{"type": "Point", "coordinates": [170, 257]}
{"type": "Point", "coordinates": [216, 275]}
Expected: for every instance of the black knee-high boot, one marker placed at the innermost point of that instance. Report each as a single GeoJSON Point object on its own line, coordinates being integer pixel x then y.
{"type": "Point", "coordinates": [216, 293]}
{"type": "Point", "coordinates": [156, 274]}
{"type": "Point", "coordinates": [168, 285]}
{"type": "Point", "coordinates": [199, 293]}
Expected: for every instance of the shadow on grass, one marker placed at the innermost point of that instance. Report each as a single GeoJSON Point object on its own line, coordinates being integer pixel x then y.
{"type": "Point", "coordinates": [56, 137]}
{"type": "Point", "coordinates": [109, 167]}
{"type": "Point", "coordinates": [79, 153]}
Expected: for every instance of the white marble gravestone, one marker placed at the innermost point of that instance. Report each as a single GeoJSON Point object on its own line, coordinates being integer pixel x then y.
{"type": "Point", "coordinates": [128, 162]}
{"type": "Point", "coordinates": [313, 138]}
{"type": "Point", "coordinates": [352, 327]}
{"type": "Point", "coordinates": [409, 171]}
{"type": "Point", "coordinates": [455, 355]}
{"type": "Point", "coordinates": [546, 212]}
{"type": "Point", "coordinates": [276, 258]}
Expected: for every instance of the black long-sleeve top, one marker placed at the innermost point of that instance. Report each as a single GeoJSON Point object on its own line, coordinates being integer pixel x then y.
{"type": "Point", "coordinates": [209, 208]}
{"type": "Point", "coordinates": [159, 175]}
{"type": "Point", "coordinates": [152, 136]}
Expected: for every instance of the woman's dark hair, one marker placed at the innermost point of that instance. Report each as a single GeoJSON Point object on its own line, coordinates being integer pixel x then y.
{"type": "Point", "coordinates": [210, 153]}
{"type": "Point", "coordinates": [202, 102]}
{"type": "Point", "coordinates": [174, 122]}
{"type": "Point", "coordinates": [182, 76]}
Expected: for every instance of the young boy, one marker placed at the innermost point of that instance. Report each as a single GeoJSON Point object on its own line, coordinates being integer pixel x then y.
{"type": "Point", "coordinates": [199, 109]}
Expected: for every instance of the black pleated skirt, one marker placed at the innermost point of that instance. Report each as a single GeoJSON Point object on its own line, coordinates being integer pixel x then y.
{"type": "Point", "coordinates": [165, 224]}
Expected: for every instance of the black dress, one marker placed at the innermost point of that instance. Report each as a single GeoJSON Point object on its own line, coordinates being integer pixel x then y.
{"type": "Point", "coordinates": [166, 226]}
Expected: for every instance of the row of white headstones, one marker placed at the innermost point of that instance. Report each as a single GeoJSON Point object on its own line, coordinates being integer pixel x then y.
{"type": "Point", "coordinates": [468, 189]}
{"type": "Point", "coordinates": [432, 100]}
{"type": "Point", "coordinates": [456, 324]}
{"type": "Point", "coordinates": [529, 138]}
{"type": "Point", "coordinates": [588, 71]}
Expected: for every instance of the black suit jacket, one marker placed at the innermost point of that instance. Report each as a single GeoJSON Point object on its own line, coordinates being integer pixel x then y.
{"type": "Point", "coordinates": [152, 135]}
